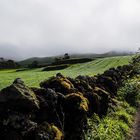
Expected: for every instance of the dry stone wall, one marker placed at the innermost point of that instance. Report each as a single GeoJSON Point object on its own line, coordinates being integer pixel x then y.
{"type": "Point", "coordinates": [58, 110]}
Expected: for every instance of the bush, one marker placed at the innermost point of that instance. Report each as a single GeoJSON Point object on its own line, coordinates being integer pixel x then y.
{"type": "Point", "coordinates": [130, 93]}
{"type": "Point", "coordinates": [115, 126]}
{"type": "Point", "coordinates": [56, 67]}
{"type": "Point", "coordinates": [72, 61]}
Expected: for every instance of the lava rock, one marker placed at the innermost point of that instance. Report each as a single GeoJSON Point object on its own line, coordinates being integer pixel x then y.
{"type": "Point", "coordinates": [18, 97]}
{"type": "Point", "coordinates": [76, 108]}
{"type": "Point", "coordinates": [51, 106]}
{"type": "Point", "coordinates": [46, 131]}
{"type": "Point", "coordinates": [59, 84]}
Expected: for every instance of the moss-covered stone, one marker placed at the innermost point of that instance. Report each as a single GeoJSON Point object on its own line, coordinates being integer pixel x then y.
{"type": "Point", "coordinates": [94, 102]}
{"type": "Point", "coordinates": [47, 131]}
{"type": "Point", "coordinates": [59, 84]}
{"type": "Point", "coordinates": [51, 106]}
{"type": "Point", "coordinates": [18, 97]}
{"type": "Point", "coordinates": [76, 108]}
{"type": "Point", "coordinates": [104, 100]}
{"type": "Point", "coordinates": [77, 101]}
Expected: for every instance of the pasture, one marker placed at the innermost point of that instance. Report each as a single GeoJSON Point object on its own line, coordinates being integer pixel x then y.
{"type": "Point", "coordinates": [34, 76]}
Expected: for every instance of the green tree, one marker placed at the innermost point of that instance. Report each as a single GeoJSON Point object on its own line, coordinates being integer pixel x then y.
{"type": "Point", "coordinates": [34, 64]}
{"type": "Point", "coordinates": [66, 56]}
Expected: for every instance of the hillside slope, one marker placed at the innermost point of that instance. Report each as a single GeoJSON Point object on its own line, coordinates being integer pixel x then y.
{"type": "Point", "coordinates": [96, 66]}
{"type": "Point", "coordinates": [48, 60]}
{"type": "Point", "coordinates": [43, 60]}
{"type": "Point", "coordinates": [91, 68]}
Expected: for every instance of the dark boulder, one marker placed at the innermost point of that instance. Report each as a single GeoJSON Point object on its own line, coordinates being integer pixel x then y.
{"type": "Point", "coordinates": [18, 81]}
{"type": "Point", "coordinates": [18, 97]}
{"type": "Point", "coordinates": [59, 84]}
{"type": "Point", "coordinates": [51, 106]}
{"type": "Point", "coordinates": [76, 108]}
{"type": "Point", "coordinates": [94, 102]}
{"type": "Point", "coordinates": [21, 123]}
{"type": "Point", "coordinates": [104, 99]}
{"type": "Point", "coordinates": [108, 84]}
{"type": "Point", "coordinates": [45, 131]}
{"type": "Point", "coordinates": [10, 135]}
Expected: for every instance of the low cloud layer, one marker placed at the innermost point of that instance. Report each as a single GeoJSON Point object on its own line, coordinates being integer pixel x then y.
{"type": "Point", "coordinates": [50, 27]}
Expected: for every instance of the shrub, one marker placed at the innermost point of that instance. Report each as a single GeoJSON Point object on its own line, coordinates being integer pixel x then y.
{"type": "Point", "coordinates": [115, 126]}
{"type": "Point", "coordinates": [130, 93]}
{"type": "Point", "coordinates": [72, 61]}
{"type": "Point", "coordinates": [56, 67]}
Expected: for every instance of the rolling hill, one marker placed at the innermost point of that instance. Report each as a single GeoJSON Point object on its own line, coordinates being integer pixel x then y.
{"type": "Point", "coordinates": [49, 60]}
{"type": "Point", "coordinates": [90, 68]}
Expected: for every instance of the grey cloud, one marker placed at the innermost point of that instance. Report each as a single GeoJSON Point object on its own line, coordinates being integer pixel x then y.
{"type": "Point", "coordinates": [9, 51]}
{"type": "Point", "coordinates": [50, 27]}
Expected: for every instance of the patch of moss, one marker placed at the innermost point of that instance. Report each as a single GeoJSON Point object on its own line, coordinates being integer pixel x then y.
{"type": "Point", "coordinates": [58, 133]}
{"type": "Point", "coordinates": [78, 101]}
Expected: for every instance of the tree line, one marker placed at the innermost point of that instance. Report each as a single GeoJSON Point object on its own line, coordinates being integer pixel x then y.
{"type": "Point", "coordinates": [8, 64]}
{"type": "Point", "coordinates": [35, 63]}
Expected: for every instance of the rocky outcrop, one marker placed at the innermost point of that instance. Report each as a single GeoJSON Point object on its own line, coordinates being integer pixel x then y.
{"type": "Point", "coordinates": [24, 112]}
{"type": "Point", "coordinates": [18, 97]}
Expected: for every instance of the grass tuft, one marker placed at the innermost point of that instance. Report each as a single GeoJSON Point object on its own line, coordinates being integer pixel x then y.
{"type": "Point", "coordinates": [117, 125]}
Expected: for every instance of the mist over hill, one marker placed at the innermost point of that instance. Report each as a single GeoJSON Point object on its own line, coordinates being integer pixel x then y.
{"type": "Point", "coordinates": [51, 27]}
{"type": "Point", "coordinates": [48, 60]}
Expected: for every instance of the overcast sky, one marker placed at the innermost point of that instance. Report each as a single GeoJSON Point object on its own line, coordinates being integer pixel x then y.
{"type": "Point", "coordinates": [51, 27]}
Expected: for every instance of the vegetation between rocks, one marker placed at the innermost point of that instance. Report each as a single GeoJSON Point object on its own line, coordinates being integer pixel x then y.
{"type": "Point", "coordinates": [64, 108]}
{"type": "Point", "coordinates": [118, 123]}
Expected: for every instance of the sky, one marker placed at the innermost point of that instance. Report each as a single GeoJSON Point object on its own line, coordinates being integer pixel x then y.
{"type": "Point", "coordinates": [31, 28]}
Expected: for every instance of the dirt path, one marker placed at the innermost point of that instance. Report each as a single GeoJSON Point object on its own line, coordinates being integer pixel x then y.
{"type": "Point", "coordinates": [136, 133]}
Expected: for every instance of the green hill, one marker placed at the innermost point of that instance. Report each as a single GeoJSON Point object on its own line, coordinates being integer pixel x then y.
{"type": "Point", "coordinates": [48, 60]}
{"type": "Point", "coordinates": [90, 68]}
{"type": "Point", "coordinates": [96, 66]}
{"type": "Point", "coordinates": [41, 61]}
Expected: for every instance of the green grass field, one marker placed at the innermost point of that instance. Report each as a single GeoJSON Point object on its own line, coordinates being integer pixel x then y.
{"type": "Point", "coordinates": [35, 76]}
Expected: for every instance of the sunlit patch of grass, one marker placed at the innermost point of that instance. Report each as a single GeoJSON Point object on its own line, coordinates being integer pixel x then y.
{"type": "Point", "coordinates": [117, 125]}
{"type": "Point", "coordinates": [35, 76]}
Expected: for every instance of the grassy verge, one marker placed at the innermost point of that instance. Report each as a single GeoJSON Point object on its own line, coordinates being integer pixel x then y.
{"type": "Point", "coordinates": [117, 125]}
